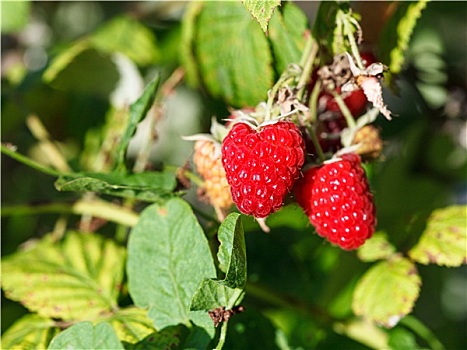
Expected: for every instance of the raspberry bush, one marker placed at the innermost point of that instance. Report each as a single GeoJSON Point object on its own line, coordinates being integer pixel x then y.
{"type": "Point", "coordinates": [237, 175]}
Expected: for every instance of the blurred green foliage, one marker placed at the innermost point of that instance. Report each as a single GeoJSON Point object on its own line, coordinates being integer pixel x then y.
{"type": "Point", "coordinates": [424, 163]}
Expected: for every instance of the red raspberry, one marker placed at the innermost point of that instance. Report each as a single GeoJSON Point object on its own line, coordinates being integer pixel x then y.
{"type": "Point", "coordinates": [336, 198]}
{"type": "Point", "coordinates": [262, 166]}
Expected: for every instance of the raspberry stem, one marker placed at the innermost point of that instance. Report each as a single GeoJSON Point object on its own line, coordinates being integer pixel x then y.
{"type": "Point", "coordinates": [345, 110]}
{"type": "Point", "coordinates": [308, 57]}
{"type": "Point", "coordinates": [315, 141]}
{"type": "Point", "coordinates": [313, 102]}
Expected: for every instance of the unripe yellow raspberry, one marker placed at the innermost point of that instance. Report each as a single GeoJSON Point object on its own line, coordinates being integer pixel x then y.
{"type": "Point", "coordinates": [370, 142]}
{"type": "Point", "coordinates": [207, 159]}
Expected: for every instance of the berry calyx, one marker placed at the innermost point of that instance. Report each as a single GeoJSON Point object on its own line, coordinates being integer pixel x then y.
{"type": "Point", "coordinates": [337, 200]}
{"type": "Point", "coordinates": [262, 165]}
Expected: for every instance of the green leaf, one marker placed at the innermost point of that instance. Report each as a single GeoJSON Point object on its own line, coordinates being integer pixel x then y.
{"type": "Point", "coordinates": [240, 71]}
{"type": "Point", "coordinates": [395, 280]}
{"type": "Point", "coordinates": [364, 332]}
{"type": "Point", "coordinates": [81, 68]}
{"type": "Point", "coordinates": [324, 27]}
{"type": "Point", "coordinates": [122, 34]}
{"type": "Point", "coordinates": [286, 34]}
{"type": "Point", "coordinates": [76, 278]}
{"type": "Point", "coordinates": [29, 332]}
{"type": "Point", "coordinates": [15, 15]}
{"type": "Point", "coordinates": [396, 35]}
{"type": "Point", "coordinates": [402, 339]}
{"type": "Point", "coordinates": [187, 55]}
{"type": "Point", "coordinates": [262, 10]}
{"type": "Point", "coordinates": [138, 111]}
{"type": "Point", "coordinates": [168, 257]}
{"type": "Point", "coordinates": [84, 335]}
{"type": "Point", "coordinates": [232, 251]}
{"type": "Point", "coordinates": [214, 293]}
{"type": "Point", "coordinates": [148, 186]}
{"type": "Point", "coordinates": [444, 240]}
{"type": "Point", "coordinates": [128, 36]}
{"type": "Point", "coordinates": [376, 248]}
{"type": "Point", "coordinates": [131, 325]}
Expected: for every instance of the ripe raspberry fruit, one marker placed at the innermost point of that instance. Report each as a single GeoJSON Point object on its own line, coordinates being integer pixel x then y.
{"type": "Point", "coordinates": [262, 165]}
{"type": "Point", "coordinates": [336, 198]}
{"type": "Point", "coordinates": [207, 159]}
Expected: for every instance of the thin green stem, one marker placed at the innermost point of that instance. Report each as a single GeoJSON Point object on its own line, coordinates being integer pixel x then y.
{"type": "Point", "coordinates": [29, 162]}
{"type": "Point", "coordinates": [344, 109]}
{"type": "Point", "coordinates": [313, 103]}
{"type": "Point", "coordinates": [222, 336]}
{"type": "Point", "coordinates": [311, 52]}
{"type": "Point", "coordinates": [95, 208]}
{"type": "Point", "coordinates": [315, 141]}
{"type": "Point", "coordinates": [422, 331]}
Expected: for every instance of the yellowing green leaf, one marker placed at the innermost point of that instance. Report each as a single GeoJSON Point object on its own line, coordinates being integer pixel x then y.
{"type": "Point", "coordinates": [86, 336]}
{"type": "Point", "coordinates": [387, 291]}
{"type": "Point", "coordinates": [29, 332]}
{"type": "Point", "coordinates": [444, 241]}
{"type": "Point", "coordinates": [262, 10]}
{"type": "Point", "coordinates": [76, 278]}
{"type": "Point", "coordinates": [131, 324]}
{"type": "Point", "coordinates": [376, 248]}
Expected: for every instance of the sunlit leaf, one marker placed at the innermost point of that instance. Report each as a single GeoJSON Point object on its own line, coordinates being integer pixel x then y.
{"type": "Point", "coordinates": [364, 332]}
{"type": "Point", "coordinates": [128, 36]}
{"type": "Point", "coordinates": [240, 71]}
{"type": "Point", "coordinates": [444, 241]}
{"type": "Point", "coordinates": [76, 278]}
{"type": "Point", "coordinates": [131, 324]}
{"type": "Point", "coordinates": [396, 35]}
{"type": "Point", "coordinates": [85, 336]}
{"type": "Point", "coordinates": [15, 15]}
{"type": "Point", "coordinates": [376, 248]}
{"type": "Point", "coordinates": [262, 10]}
{"type": "Point", "coordinates": [395, 280]}
{"type": "Point", "coordinates": [168, 257]}
{"type": "Point", "coordinates": [29, 332]}
{"type": "Point", "coordinates": [148, 186]}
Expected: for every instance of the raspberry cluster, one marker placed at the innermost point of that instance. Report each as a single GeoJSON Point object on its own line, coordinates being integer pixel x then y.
{"type": "Point", "coordinates": [265, 155]}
